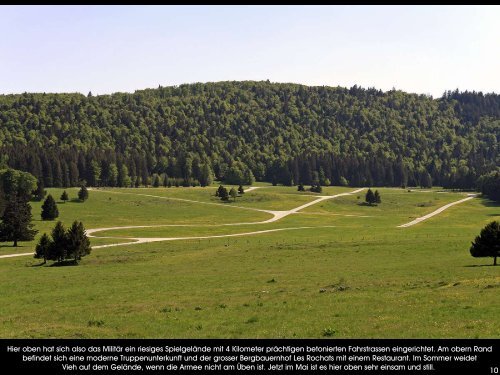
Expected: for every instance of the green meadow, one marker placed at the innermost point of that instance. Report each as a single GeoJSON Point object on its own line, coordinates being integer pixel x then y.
{"type": "Point", "coordinates": [350, 274]}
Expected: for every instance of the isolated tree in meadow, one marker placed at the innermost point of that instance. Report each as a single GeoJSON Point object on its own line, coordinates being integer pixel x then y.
{"type": "Point", "coordinates": [218, 192]}
{"type": "Point", "coordinates": [233, 193]}
{"type": "Point", "coordinates": [42, 249]}
{"type": "Point", "coordinates": [241, 191]}
{"type": "Point", "coordinates": [300, 188]}
{"type": "Point", "coordinates": [370, 197]}
{"type": "Point", "coordinates": [223, 194]}
{"type": "Point", "coordinates": [49, 209]}
{"type": "Point", "coordinates": [64, 196]}
{"type": "Point", "coordinates": [377, 197]}
{"type": "Point", "coordinates": [16, 221]}
{"type": "Point", "coordinates": [316, 188]}
{"type": "Point", "coordinates": [83, 193]}
{"type": "Point", "coordinates": [487, 244]}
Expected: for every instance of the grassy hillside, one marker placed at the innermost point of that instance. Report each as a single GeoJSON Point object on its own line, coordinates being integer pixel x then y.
{"type": "Point", "coordinates": [281, 132]}
{"type": "Point", "coordinates": [360, 277]}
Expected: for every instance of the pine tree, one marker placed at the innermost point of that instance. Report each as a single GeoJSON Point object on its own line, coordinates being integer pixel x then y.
{"type": "Point", "coordinates": [300, 188]}
{"type": "Point", "coordinates": [59, 248]}
{"type": "Point", "coordinates": [112, 175]}
{"type": "Point", "coordinates": [40, 192]}
{"type": "Point", "coordinates": [487, 244]}
{"type": "Point", "coordinates": [223, 194]}
{"type": "Point", "coordinates": [64, 196]}
{"type": "Point", "coordinates": [370, 197]}
{"type": "Point", "coordinates": [42, 250]}
{"type": "Point", "coordinates": [241, 191]}
{"type": "Point", "coordinates": [207, 175]}
{"type": "Point", "coordinates": [83, 193]}
{"type": "Point", "coordinates": [77, 242]}
{"type": "Point", "coordinates": [233, 193]}
{"type": "Point", "coordinates": [377, 197]}
{"type": "Point", "coordinates": [218, 192]}
{"type": "Point", "coordinates": [49, 209]}
{"type": "Point", "coordinates": [165, 181]}
{"type": "Point", "coordinates": [156, 181]}
{"type": "Point", "coordinates": [16, 221]}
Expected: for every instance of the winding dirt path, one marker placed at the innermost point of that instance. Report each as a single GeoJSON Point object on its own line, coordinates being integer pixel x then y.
{"type": "Point", "coordinates": [277, 215]}
{"type": "Point", "coordinates": [438, 211]}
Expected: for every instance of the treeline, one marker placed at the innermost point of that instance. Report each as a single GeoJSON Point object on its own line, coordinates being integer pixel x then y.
{"type": "Point", "coordinates": [242, 131]}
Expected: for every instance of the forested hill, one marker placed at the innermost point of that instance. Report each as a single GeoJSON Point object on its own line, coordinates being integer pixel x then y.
{"type": "Point", "coordinates": [286, 133]}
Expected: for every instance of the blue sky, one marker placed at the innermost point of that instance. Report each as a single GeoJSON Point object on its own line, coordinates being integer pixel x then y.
{"type": "Point", "coordinates": [104, 49]}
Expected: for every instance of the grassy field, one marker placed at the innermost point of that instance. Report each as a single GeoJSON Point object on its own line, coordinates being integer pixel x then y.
{"type": "Point", "coordinates": [354, 274]}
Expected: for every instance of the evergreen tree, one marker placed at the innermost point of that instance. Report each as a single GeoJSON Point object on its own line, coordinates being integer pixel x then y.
{"type": "Point", "coordinates": [112, 175]}
{"type": "Point", "coordinates": [16, 221]}
{"type": "Point", "coordinates": [64, 196]}
{"type": "Point", "coordinates": [165, 181]}
{"type": "Point", "coordinates": [425, 180]}
{"type": "Point", "coordinates": [223, 194]}
{"type": "Point", "coordinates": [218, 192]}
{"type": "Point", "coordinates": [95, 173]}
{"type": "Point", "coordinates": [83, 193]}
{"type": "Point", "coordinates": [343, 181]}
{"type": "Point", "coordinates": [42, 249]}
{"type": "Point", "coordinates": [40, 192]}
{"type": "Point", "coordinates": [300, 188]}
{"type": "Point", "coordinates": [207, 175]}
{"type": "Point", "coordinates": [241, 191]}
{"type": "Point", "coordinates": [49, 209]}
{"type": "Point", "coordinates": [59, 248]}
{"type": "Point", "coordinates": [489, 185]}
{"type": "Point", "coordinates": [248, 177]}
{"type": "Point", "coordinates": [233, 193]}
{"type": "Point", "coordinates": [316, 188]}
{"type": "Point", "coordinates": [370, 197]}
{"type": "Point", "coordinates": [156, 180]}
{"type": "Point", "coordinates": [77, 242]}
{"type": "Point", "coordinates": [377, 197]}
{"type": "Point", "coordinates": [487, 244]}
{"type": "Point", "coordinates": [123, 177]}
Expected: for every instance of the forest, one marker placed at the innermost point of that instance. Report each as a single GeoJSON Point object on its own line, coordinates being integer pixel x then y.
{"type": "Point", "coordinates": [239, 132]}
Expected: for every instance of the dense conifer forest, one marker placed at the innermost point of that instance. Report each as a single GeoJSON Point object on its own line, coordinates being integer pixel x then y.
{"type": "Point", "coordinates": [241, 131]}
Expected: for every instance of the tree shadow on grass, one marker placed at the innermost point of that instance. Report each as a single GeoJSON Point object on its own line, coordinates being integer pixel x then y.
{"type": "Point", "coordinates": [489, 203]}
{"type": "Point", "coordinates": [366, 204]}
{"type": "Point", "coordinates": [38, 265]}
{"type": "Point", "coordinates": [2, 246]}
{"type": "Point", "coordinates": [64, 263]}
{"type": "Point", "coordinates": [481, 265]}
{"type": "Point", "coordinates": [75, 200]}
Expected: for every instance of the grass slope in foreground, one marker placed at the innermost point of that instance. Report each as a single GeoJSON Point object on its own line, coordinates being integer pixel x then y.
{"type": "Point", "coordinates": [362, 278]}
